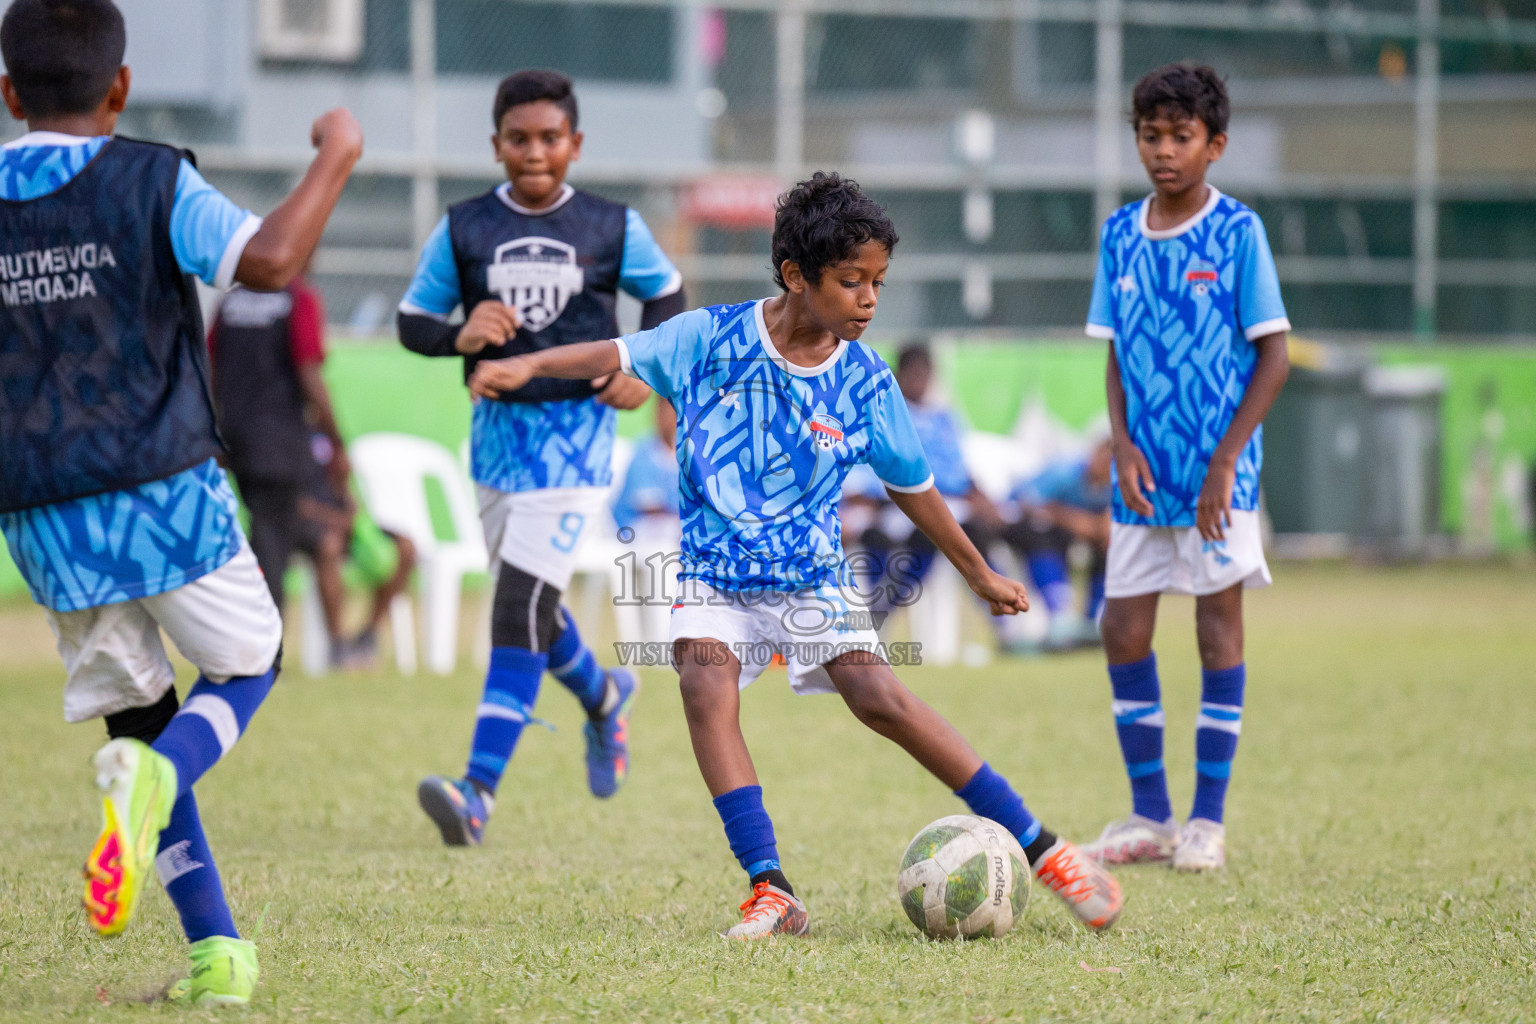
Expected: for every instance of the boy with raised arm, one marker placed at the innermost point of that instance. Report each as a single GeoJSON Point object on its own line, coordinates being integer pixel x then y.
{"type": "Point", "coordinates": [111, 502]}
{"type": "Point", "coordinates": [776, 400]}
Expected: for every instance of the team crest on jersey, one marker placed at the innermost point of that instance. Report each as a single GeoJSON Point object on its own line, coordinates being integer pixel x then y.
{"type": "Point", "coordinates": [826, 431]}
{"type": "Point", "coordinates": [1201, 275]}
{"type": "Point", "coordinates": [537, 277]}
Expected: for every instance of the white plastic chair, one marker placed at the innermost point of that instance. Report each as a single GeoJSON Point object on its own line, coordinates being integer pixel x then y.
{"type": "Point", "coordinates": [392, 472]}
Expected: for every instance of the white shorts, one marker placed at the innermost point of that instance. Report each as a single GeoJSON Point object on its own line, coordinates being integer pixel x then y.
{"type": "Point", "coordinates": [224, 623]}
{"type": "Point", "coordinates": [1177, 560]}
{"type": "Point", "coordinates": [540, 532]}
{"type": "Point", "coordinates": [808, 628]}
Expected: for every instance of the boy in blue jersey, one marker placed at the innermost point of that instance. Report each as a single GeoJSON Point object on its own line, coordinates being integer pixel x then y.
{"type": "Point", "coordinates": [776, 400]}
{"type": "Point", "coordinates": [1187, 294]}
{"type": "Point", "coordinates": [111, 502]}
{"type": "Point", "coordinates": [536, 264]}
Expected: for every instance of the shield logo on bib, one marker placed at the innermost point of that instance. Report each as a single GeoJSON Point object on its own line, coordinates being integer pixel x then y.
{"type": "Point", "coordinates": [537, 277]}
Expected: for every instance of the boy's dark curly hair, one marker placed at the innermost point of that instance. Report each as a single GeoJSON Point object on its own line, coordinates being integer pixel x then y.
{"type": "Point", "coordinates": [1189, 91]}
{"type": "Point", "coordinates": [533, 85]}
{"type": "Point", "coordinates": [62, 55]}
{"type": "Point", "coordinates": [824, 221]}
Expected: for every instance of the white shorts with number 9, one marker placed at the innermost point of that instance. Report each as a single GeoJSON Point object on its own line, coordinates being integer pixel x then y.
{"type": "Point", "coordinates": [541, 532]}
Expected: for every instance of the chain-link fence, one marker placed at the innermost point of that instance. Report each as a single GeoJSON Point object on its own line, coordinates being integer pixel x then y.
{"type": "Point", "coordinates": [1390, 145]}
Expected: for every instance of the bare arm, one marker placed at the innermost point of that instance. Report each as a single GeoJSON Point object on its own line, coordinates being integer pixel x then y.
{"type": "Point", "coordinates": [1213, 511]}
{"type": "Point", "coordinates": [1131, 465]}
{"type": "Point", "coordinates": [586, 361]}
{"type": "Point", "coordinates": [928, 513]}
{"type": "Point", "coordinates": [289, 234]}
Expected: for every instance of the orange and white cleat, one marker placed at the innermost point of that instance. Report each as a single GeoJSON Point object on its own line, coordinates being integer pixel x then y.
{"type": "Point", "coordinates": [140, 788]}
{"type": "Point", "coordinates": [1088, 890]}
{"type": "Point", "coordinates": [770, 911]}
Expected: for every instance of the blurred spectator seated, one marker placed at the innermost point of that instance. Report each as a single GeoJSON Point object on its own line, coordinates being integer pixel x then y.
{"type": "Point", "coordinates": [894, 553]}
{"type": "Point", "coordinates": [1065, 507]}
{"type": "Point", "coordinates": [335, 533]}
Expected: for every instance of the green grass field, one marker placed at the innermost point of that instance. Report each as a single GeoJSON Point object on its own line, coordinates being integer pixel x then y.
{"type": "Point", "coordinates": [1382, 821]}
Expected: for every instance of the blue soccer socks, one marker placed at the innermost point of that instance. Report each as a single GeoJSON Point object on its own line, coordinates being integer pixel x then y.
{"type": "Point", "coordinates": [209, 723]}
{"type": "Point", "coordinates": [1048, 569]}
{"type": "Point", "coordinates": [511, 689]}
{"type": "Point", "coordinates": [989, 795]}
{"type": "Point", "coordinates": [574, 664]}
{"type": "Point", "coordinates": [191, 879]}
{"type": "Point", "coordinates": [1139, 722]}
{"type": "Point", "coordinates": [1216, 732]}
{"type": "Point", "coordinates": [749, 829]}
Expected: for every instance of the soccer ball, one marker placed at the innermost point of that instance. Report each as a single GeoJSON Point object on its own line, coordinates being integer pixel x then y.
{"type": "Point", "coordinates": [964, 877]}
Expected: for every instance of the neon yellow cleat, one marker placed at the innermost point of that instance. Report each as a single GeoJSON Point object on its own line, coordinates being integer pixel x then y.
{"type": "Point", "coordinates": [224, 973]}
{"type": "Point", "coordinates": [140, 788]}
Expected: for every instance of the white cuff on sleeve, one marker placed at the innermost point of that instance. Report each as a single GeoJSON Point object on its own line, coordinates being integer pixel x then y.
{"type": "Point", "coordinates": [231, 258]}
{"type": "Point", "coordinates": [1276, 326]}
{"type": "Point", "coordinates": [627, 367]}
{"type": "Point", "coordinates": [1099, 331]}
{"type": "Point", "coordinates": [914, 489]}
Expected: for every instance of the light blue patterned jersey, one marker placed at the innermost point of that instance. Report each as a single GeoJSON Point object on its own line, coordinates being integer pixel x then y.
{"type": "Point", "coordinates": [524, 446]}
{"type": "Point", "coordinates": [126, 544]}
{"type": "Point", "coordinates": [940, 433]}
{"type": "Point", "coordinates": [161, 535]}
{"type": "Point", "coordinates": [1183, 307]}
{"type": "Point", "coordinates": [764, 445]}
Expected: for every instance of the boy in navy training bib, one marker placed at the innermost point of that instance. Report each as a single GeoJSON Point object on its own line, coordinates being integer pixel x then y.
{"type": "Point", "coordinates": [536, 264]}
{"type": "Point", "coordinates": [776, 401]}
{"type": "Point", "coordinates": [111, 502]}
{"type": "Point", "coordinates": [1187, 296]}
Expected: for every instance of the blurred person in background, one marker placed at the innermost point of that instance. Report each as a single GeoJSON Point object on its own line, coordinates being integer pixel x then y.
{"type": "Point", "coordinates": [646, 506]}
{"type": "Point", "coordinates": [334, 531]}
{"type": "Point", "coordinates": [267, 350]}
{"type": "Point", "coordinates": [941, 434]}
{"type": "Point", "coordinates": [1066, 503]}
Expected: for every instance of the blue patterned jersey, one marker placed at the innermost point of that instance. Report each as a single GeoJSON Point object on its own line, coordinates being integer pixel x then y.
{"type": "Point", "coordinates": [523, 446]}
{"type": "Point", "coordinates": [161, 535]}
{"type": "Point", "coordinates": [1183, 306]}
{"type": "Point", "coordinates": [764, 445]}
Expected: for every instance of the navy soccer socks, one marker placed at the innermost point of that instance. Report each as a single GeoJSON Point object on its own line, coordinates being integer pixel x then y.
{"type": "Point", "coordinates": [576, 667]}
{"type": "Point", "coordinates": [1139, 723]}
{"type": "Point", "coordinates": [989, 795]}
{"type": "Point", "coordinates": [191, 879]}
{"type": "Point", "coordinates": [1216, 732]}
{"type": "Point", "coordinates": [511, 689]}
{"type": "Point", "coordinates": [749, 830]}
{"type": "Point", "coordinates": [209, 723]}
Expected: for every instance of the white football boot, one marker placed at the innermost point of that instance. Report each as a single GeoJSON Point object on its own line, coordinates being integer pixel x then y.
{"type": "Point", "coordinates": [1202, 846]}
{"type": "Point", "coordinates": [1135, 840]}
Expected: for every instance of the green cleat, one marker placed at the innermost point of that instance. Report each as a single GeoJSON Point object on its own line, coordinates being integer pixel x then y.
{"type": "Point", "coordinates": [139, 787]}
{"type": "Point", "coordinates": [224, 973]}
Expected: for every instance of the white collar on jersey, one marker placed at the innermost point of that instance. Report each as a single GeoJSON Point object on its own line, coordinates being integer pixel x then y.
{"type": "Point", "coordinates": [1178, 229]}
{"type": "Point", "coordinates": [49, 139]}
{"type": "Point", "coordinates": [778, 357]}
{"type": "Point", "coordinates": [504, 193]}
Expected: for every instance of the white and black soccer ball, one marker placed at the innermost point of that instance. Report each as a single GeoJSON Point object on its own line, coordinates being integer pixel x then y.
{"type": "Point", "coordinates": [964, 877]}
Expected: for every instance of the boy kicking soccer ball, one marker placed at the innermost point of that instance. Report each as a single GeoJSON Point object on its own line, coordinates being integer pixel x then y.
{"type": "Point", "coordinates": [536, 264]}
{"type": "Point", "coordinates": [1187, 295]}
{"type": "Point", "coordinates": [111, 502]}
{"type": "Point", "coordinates": [776, 401]}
